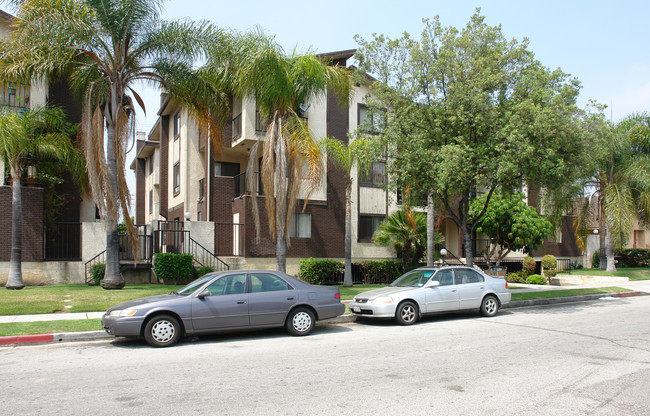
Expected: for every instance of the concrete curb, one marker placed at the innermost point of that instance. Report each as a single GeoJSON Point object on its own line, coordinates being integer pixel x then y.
{"type": "Point", "coordinates": [342, 319]}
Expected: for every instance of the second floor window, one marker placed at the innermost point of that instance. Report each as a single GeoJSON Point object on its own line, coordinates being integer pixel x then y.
{"type": "Point", "coordinates": [177, 125]}
{"type": "Point", "coordinates": [177, 178]}
{"type": "Point", "coordinates": [375, 176]}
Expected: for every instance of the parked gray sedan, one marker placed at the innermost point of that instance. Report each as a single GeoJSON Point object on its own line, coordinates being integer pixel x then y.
{"type": "Point", "coordinates": [431, 290]}
{"type": "Point", "coordinates": [225, 301]}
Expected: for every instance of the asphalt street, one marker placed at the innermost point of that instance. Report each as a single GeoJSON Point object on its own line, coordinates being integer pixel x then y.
{"type": "Point", "coordinates": [572, 359]}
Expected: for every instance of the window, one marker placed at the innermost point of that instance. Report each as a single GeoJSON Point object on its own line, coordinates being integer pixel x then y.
{"type": "Point", "coordinates": [177, 178]}
{"type": "Point", "coordinates": [151, 202]}
{"type": "Point", "coordinates": [228, 285]}
{"type": "Point", "coordinates": [300, 226]}
{"type": "Point", "coordinates": [201, 189]}
{"type": "Point", "coordinates": [177, 125]}
{"type": "Point", "coordinates": [368, 224]}
{"type": "Point", "coordinates": [376, 176]}
{"type": "Point", "coordinates": [266, 282]}
{"type": "Point", "coordinates": [150, 165]}
{"type": "Point", "coordinates": [445, 277]}
{"type": "Point", "coordinates": [465, 276]}
{"type": "Point", "coordinates": [226, 169]}
{"type": "Point", "coordinates": [371, 120]}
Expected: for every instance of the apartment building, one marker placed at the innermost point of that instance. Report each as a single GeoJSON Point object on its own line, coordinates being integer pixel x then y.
{"type": "Point", "coordinates": [183, 179]}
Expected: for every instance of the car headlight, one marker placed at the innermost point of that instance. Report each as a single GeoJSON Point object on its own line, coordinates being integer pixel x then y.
{"type": "Point", "coordinates": [382, 299]}
{"type": "Point", "coordinates": [123, 312]}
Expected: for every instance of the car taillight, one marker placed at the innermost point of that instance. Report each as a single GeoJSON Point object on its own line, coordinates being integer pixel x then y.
{"type": "Point", "coordinates": [337, 296]}
{"type": "Point", "coordinates": [506, 284]}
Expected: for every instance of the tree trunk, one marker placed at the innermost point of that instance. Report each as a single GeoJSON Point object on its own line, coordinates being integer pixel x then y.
{"type": "Point", "coordinates": [602, 262]}
{"type": "Point", "coordinates": [281, 202]}
{"type": "Point", "coordinates": [15, 280]}
{"type": "Point", "coordinates": [467, 242]}
{"type": "Point", "coordinates": [431, 236]}
{"type": "Point", "coordinates": [347, 277]}
{"type": "Point", "coordinates": [609, 249]}
{"type": "Point", "coordinates": [112, 278]}
{"type": "Point", "coordinates": [280, 251]}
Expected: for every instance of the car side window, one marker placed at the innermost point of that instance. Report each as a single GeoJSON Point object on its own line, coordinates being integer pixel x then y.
{"type": "Point", "coordinates": [465, 276]}
{"type": "Point", "coordinates": [266, 282]}
{"type": "Point", "coordinates": [445, 277]}
{"type": "Point", "coordinates": [228, 285]}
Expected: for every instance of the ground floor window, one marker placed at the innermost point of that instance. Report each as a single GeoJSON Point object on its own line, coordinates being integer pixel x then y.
{"type": "Point", "coordinates": [368, 224]}
{"type": "Point", "coordinates": [300, 226]}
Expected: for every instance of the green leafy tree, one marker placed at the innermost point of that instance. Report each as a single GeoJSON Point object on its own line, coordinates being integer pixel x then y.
{"type": "Point", "coordinates": [41, 132]}
{"type": "Point", "coordinates": [406, 231]}
{"type": "Point", "coordinates": [469, 111]}
{"type": "Point", "coordinates": [510, 224]}
{"type": "Point", "coordinates": [355, 154]}
{"type": "Point", "coordinates": [103, 48]}
{"type": "Point", "coordinates": [291, 157]}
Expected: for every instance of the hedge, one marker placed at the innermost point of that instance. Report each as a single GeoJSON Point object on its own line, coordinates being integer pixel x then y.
{"type": "Point", "coordinates": [97, 272]}
{"type": "Point", "coordinates": [317, 271]}
{"type": "Point", "coordinates": [174, 269]}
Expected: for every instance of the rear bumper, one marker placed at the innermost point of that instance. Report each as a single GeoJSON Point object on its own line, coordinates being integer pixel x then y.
{"type": "Point", "coordinates": [331, 311]}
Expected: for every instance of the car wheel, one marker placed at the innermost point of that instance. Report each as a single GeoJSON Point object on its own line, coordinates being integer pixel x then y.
{"type": "Point", "coordinates": [300, 321]}
{"type": "Point", "coordinates": [407, 313]}
{"type": "Point", "coordinates": [162, 331]}
{"type": "Point", "coordinates": [489, 306]}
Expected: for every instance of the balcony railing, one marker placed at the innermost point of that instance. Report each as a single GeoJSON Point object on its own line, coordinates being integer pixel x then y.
{"type": "Point", "coordinates": [14, 96]}
{"type": "Point", "coordinates": [242, 188]}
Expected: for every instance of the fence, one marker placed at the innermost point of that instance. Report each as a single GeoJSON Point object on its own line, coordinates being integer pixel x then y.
{"type": "Point", "coordinates": [62, 241]}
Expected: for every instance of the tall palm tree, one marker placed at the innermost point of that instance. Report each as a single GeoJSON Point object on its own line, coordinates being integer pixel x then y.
{"type": "Point", "coordinates": [24, 135]}
{"type": "Point", "coordinates": [348, 156]}
{"type": "Point", "coordinates": [104, 48]}
{"type": "Point", "coordinates": [282, 86]}
{"type": "Point", "coordinates": [621, 183]}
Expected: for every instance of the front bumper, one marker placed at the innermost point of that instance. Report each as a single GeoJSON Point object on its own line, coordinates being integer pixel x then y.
{"type": "Point", "coordinates": [123, 326]}
{"type": "Point", "coordinates": [370, 310]}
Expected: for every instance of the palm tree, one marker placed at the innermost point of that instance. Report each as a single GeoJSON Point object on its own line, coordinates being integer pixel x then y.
{"type": "Point", "coordinates": [24, 135]}
{"type": "Point", "coordinates": [104, 48]}
{"type": "Point", "coordinates": [406, 230]}
{"type": "Point", "coordinates": [283, 86]}
{"type": "Point", "coordinates": [356, 153]}
{"type": "Point", "coordinates": [621, 183]}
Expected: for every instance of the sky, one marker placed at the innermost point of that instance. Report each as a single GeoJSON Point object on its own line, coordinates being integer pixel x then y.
{"type": "Point", "coordinates": [604, 44]}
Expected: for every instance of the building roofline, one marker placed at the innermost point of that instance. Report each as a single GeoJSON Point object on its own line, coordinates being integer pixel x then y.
{"type": "Point", "coordinates": [7, 16]}
{"type": "Point", "coordinates": [346, 54]}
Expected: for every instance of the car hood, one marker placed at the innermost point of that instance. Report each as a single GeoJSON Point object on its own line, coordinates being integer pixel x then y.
{"type": "Point", "coordinates": [143, 301]}
{"type": "Point", "coordinates": [384, 291]}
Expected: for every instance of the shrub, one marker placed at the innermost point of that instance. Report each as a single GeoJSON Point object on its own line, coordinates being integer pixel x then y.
{"type": "Point", "coordinates": [536, 279]}
{"type": "Point", "coordinates": [317, 271]}
{"type": "Point", "coordinates": [549, 264]}
{"type": "Point", "coordinates": [203, 270]}
{"type": "Point", "coordinates": [529, 265]}
{"type": "Point", "coordinates": [174, 269]}
{"type": "Point", "coordinates": [516, 277]}
{"type": "Point", "coordinates": [633, 257]}
{"type": "Point", "coordinates": [96, 273]}
{"type": "Point", "coordinates": [380, 271]}
{"type": "Point", "coordinates": [595, 260]}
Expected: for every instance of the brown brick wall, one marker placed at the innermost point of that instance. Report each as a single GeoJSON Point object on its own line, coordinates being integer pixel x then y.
{"type": "Point", "coordinates": [177, 212]}
{"type": "Point", "coordinates": [164, 172]}
{"type": "Point", "coordinates": [222, 193]}
{"type": "Point", "coordinates": [32, 247]}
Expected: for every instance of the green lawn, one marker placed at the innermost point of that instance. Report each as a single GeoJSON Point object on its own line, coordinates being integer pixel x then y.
{"type": "Point", "coordinates": [49, 327]}
{"type": "Point", "coordinates": [546, 294]}
{"type": "Point", "coordinates": [634, 273]}
{"type": "Point", "coordinates": [52, 299]}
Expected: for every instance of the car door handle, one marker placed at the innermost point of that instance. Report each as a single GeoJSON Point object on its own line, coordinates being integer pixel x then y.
{"type": "Point", "coordinates": [241, 302]}
{"type": "Point", "coordinates": [290, 298]}
{"type": "Point", "coordinates": [453, 290]}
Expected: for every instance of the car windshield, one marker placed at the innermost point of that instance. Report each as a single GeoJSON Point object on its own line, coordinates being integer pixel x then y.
{"type": "Point", "coordinates": [191, 287]}
{"type": "Point", "coordinates": [414, 278]}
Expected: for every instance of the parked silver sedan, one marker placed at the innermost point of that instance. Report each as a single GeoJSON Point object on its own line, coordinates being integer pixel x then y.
{"type": "Point", "coordinates": [225, 301]}
{"type": "Point", "coordinates": [426, 291]}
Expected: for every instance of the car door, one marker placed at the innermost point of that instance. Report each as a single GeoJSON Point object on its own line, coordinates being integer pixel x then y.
{"type": "Point", "coordinates": [444, 297]}
{"type": "Point", "coordinates": [270, 299]}
{"type": "Point", "coordinates": [225, 307]}
{"type": "Point", "coordinates": [471, 287]}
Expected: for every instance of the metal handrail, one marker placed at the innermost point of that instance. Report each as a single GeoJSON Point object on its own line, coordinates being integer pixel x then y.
{"type": "Point", "coordinates": [217, 263]}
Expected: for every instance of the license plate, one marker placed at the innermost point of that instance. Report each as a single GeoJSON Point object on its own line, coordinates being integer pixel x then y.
{"type": "Point", "coordinates": [356, 309]}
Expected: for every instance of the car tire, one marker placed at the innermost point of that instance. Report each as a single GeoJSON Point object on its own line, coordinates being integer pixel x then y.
{"type": "Point", "coordinates": [300, 322]}
{"type": "Point", "coordinates": [162, 331]}
{"type": "Point", "coordinates": [407, 313]}
{"type": "Point", "coordinates": [489, 306]}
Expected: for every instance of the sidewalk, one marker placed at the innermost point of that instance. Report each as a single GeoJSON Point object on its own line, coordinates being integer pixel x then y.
{"type": "Point", "coordinates": [638, 288]}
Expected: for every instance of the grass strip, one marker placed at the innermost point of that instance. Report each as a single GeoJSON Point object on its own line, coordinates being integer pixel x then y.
{"type": "Point", "coordinates": [547, 294]}
{"type": "Point", "coordinates": [633, 273]}
{"type": "Point", "coordinates": [49, 327]}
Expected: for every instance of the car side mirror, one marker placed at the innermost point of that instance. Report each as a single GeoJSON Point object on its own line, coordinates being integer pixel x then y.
{"type": "Point", "coordinates": [203, 293]}
{"type": "Point", "coordinates": [433, 283]}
